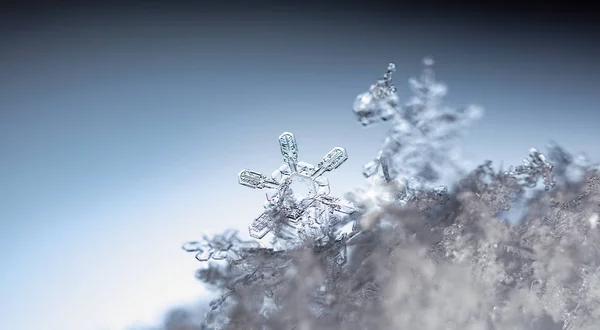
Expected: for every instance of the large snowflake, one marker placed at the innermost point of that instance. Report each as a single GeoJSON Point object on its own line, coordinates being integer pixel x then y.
{"type": "Point", "coordinates": [420, 148]}
{"type": "Point", "coordinates": [298, 193]}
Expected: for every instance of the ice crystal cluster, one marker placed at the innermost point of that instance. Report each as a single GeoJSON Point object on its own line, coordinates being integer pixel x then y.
{"type": "Point", "coordinates": [412, 255]}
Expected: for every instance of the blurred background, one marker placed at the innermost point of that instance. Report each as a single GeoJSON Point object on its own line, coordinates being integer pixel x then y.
{"type": "Point", "coordinates": [123, 127]}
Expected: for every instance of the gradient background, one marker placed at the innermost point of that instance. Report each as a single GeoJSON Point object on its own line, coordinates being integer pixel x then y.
{"type": "Point", "coordinates": [122, 128]}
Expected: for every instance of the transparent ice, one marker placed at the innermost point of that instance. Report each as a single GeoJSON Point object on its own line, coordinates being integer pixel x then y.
{"type": "Point", "coordinates": [299, 196]}
{"type": "Point", "coordinates": [220, 247]}
{"type": "Point", "coordinates": [421, 148]}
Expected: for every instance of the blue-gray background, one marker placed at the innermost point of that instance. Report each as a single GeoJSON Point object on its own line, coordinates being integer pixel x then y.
{"type": "Point", "coordinates": [122, 130]}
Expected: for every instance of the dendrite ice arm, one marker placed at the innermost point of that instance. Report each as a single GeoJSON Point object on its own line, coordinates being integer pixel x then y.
{"type": "Point", "coordinates": [289, 150]}
{"type": "Point", "coordinates": [256, 180]}
{"type": "Point", "coordinates": [336, 157]}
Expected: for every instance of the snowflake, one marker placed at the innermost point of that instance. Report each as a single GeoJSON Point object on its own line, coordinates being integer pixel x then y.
{"type": "Point", "coordinates": [299, 191]}
{"type": "Point", "coordinates": [420, 147]}
{"type": "Point", "coordinates": [223, 246]}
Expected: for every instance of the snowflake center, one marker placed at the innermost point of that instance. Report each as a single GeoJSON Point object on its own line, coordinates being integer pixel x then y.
{"type": "Point", "coordinates": [300, 188]}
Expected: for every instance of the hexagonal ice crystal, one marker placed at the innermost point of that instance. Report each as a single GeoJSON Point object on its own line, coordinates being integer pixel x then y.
{"type": "Point", "coordinates": [297, 187]}
{"type": "Point", "coordinates": [301, 187]}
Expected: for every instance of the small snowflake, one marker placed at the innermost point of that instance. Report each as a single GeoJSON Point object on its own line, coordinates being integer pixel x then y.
{"type": "Point", "coordinates": [297, 189]}
{"type": "Point", "coordinates": [220, 247]}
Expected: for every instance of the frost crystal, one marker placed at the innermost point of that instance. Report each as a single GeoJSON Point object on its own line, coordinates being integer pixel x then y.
{"type": "Point", "coordinates": [421, 146]}
{"type": "Point", "coordinates": [299, 196]}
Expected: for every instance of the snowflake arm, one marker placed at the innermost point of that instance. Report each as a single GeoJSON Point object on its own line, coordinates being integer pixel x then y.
{"type": "Point", "coordinates": [336, 157]}
{"type": "Point", "coordinates": [261, 225]}
{"type": "Point", "coordinates": [289, 150]}
{"type": "Point", "coordinates": [256, 180]}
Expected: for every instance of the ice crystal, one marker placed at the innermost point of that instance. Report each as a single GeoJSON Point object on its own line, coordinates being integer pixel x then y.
{"type": "Point", "coordinates": [421, 146]}
{"type": "Point", "coordinates": [220, 247]}
{"type": "Point", "coordinates": [299, 196]}
{"type": "Point", "coordinates": [533, 169]}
